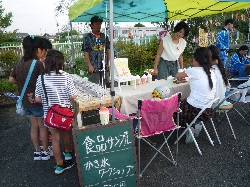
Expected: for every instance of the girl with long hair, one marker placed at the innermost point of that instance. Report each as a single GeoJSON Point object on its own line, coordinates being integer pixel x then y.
{"type": "Point", "coordinates": [202, 85]}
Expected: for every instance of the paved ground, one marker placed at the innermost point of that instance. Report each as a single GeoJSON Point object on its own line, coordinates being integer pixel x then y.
{"type": "Point", "coordinates": [220, 165]}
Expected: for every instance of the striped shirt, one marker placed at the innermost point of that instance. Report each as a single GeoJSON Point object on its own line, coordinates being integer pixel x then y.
{"type": "Point", "coordinates": [59, 88]}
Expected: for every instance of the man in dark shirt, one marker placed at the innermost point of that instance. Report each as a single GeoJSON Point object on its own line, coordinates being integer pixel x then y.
{"type": "Point", "coordinates": [96, 48]}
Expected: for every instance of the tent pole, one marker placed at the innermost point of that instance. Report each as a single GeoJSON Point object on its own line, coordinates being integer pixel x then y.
{"type": "Point", "coordinates": [72, 48]}
{"type": "Point", "coordinates": [111, 57]}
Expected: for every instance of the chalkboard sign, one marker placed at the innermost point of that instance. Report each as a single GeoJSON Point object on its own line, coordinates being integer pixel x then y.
{"type": "Point", "coordinates": [105, 155]}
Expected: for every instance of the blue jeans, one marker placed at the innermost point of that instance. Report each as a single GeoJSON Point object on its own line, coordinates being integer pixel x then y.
{"type": "Point", "coordinates": [242, 71]}
{"type": "Point", "coordinates": [36, 111]}
{"type": "Point", "coordinates": [224, 61]}
{"type": "Point", "coordinates": [167, 68]}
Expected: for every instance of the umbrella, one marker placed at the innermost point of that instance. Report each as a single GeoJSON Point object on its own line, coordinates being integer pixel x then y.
{"type": "Point", "coordinates": [151, 10]}
{"type": "Point", "coordinates": [147, 11]}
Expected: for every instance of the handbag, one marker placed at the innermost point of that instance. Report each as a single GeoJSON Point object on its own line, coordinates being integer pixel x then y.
{"type": "Point", "coordinates": [19, 107]}
{"type": "Point", "coordinates": [57, 116]}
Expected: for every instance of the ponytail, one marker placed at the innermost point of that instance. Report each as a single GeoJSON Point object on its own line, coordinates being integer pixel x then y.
{"type": "Point", "coordinates": [222, 71]}
{"type": "Point", "coordinates": [216, 56]}
{"type": "Point", "coordinates": [204, 57]}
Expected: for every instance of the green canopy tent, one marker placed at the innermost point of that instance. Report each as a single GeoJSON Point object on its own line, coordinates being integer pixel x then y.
{"type": "Point", "coordinates": [152, 10]}
{"type": "Point", "coordinates": [147, 11]}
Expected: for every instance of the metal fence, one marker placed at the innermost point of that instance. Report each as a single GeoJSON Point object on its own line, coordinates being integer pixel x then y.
{"type": "Point", "coordinates": [65, 48]}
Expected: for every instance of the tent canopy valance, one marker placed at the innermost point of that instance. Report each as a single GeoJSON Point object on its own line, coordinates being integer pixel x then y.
{"type": "Point", "coordinates": [152, 10]}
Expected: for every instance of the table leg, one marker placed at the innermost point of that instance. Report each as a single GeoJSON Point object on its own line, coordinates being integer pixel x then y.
{"type": "Point", "coordinates": [79, 119]}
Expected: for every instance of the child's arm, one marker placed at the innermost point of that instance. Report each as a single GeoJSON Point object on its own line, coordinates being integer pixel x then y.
{"type": "Point", "coordinates": [38, 99]}
{"type": "Point", "coordinates": [181, 75]}
{"type": "Point", "coordinates": [12, 80]}
{"type": "Point", "coordinates": [181, 61]}
{"type": "Point", "coordinates": [72, 97]}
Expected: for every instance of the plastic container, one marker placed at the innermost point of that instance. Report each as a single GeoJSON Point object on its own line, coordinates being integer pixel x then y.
{"type": "Point", "coordinates": [132, 82]}
{"type": "Point", "coordinates": [138, 80]}
{"type": "Point", "coordinates": [149, 78]}
{"type": "Point", "coordinates": [104, 115]}
{"type": "Point", "coordinates": [170, 81]}
{"type": "Point", "coordinates": [144, 79]}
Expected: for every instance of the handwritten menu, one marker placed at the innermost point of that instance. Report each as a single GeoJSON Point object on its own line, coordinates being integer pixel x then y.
{"type": "Point", "coordinates": [121, 67]}
{"type": "Point", "coordinates": [105, 155]}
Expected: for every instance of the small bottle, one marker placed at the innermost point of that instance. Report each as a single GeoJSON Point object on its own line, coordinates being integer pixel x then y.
{"type": "Point", "coordinates": [170, 81]}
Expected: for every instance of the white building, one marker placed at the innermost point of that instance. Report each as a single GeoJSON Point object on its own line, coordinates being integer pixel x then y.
{"type": "Point", "coordinates": [121, 32]}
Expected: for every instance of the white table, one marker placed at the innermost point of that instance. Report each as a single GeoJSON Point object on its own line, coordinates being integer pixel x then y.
{"type": "Point", "coordinates": [129, 96]}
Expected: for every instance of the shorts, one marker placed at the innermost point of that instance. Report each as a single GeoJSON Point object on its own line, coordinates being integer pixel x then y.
{"type": "Point", "coordinates": [36, 111]}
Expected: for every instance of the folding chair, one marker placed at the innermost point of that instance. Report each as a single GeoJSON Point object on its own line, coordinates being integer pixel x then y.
{"type": "Point", "coordinates": [195, 121]}
{"type": "Point", "coordinates": [156, 117]}
{"type": "Point", "coordinates": [244, 89]}
{"type": "Point", "coordinates": [120, 116]}
{"type": "Point", "coordinates": [233, 97]}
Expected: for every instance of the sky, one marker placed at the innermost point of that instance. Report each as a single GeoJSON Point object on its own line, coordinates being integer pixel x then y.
{"type": "Point", "coordinates": [32, 16]}
{"type": "Point", "coordinates": [37, 17]}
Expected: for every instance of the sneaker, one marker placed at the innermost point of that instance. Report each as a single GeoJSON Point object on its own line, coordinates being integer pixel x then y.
{"type": "Point", "coordinates": [197, 130]}
{"type": "Point", "coordinates": [45, 155]}
{"type": "Point", "coordinates": [189, 137]}
{"type": "Point", "coordinates": [37, 155]}
{"type": "Point", "coordinates": [50, 150]}
{"type": "Point", "coordinates": [67, 164]}
{"type": "Point", "coordinates": [67, 155]}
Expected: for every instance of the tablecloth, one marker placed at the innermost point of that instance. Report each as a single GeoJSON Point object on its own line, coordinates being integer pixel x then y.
{"type": "Point", "coordinates": [130, 96]}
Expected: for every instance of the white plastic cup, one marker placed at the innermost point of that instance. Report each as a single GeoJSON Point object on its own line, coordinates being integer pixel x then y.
{"type": "Point", "coordinates": [138, 80]}
{"type": "Point", "coordinates": [149, 78]}
{"type": "Point", "coordinates": [104, 115]}
{"type": "Point", "coordinates": [144, 79]}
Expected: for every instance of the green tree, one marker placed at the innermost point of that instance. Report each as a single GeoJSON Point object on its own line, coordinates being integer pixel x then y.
{"type": "Point", "coordinates": [5, 19]}
{"type": "Point", "coordinates": [139, 25]}
{"type": "Point", "coordinates": [65, 34]}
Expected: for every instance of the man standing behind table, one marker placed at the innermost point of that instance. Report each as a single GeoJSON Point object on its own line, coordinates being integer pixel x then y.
{"type": "Point", "coordinates": [239, 63]}
{"type": "Point", "coordinates": [93, 47]}
{"type": "Point", "coordinates": [223, 41]}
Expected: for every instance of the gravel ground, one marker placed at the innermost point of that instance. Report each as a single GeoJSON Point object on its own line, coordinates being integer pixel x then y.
{"type": "Point", "coordinates": [226, 165]}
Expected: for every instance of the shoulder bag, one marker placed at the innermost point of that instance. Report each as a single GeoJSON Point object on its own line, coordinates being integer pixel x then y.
{"type": "Point", "coordinates": [57, 116]}
{"type": "Point", "coordinates": [19, 106]}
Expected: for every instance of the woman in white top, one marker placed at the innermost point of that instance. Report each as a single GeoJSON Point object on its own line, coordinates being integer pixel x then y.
{"type": "Point", "coordinates": [220, 73]}
{"type": "Point", "coordinates": [170, 51]}
{"type": "Point", "coordinates": [203, 87]}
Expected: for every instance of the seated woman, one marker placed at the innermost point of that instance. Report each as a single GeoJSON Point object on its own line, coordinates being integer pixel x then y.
{"type": "Point", "coordinates": [220, 73]}
{"type": "Point", "coordinates": [203, 88]}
